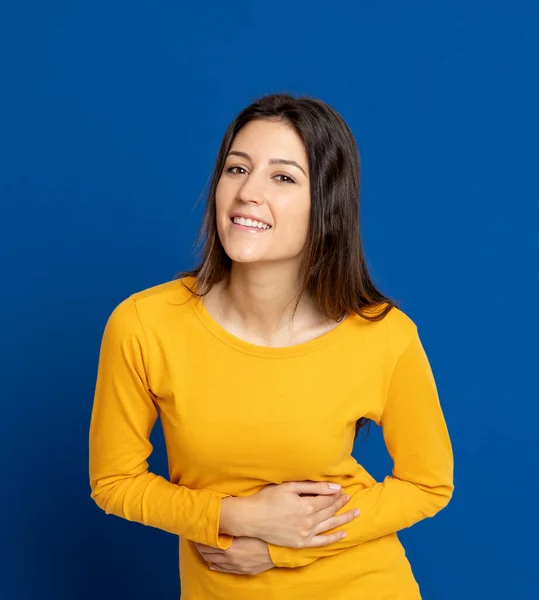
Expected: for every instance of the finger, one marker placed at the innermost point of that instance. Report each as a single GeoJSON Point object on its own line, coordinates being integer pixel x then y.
{"type": "Point", "coordinates": [226, 568]}
{"type": "Point", "coordinates": [220, 561]}
{"type": "Point", "coordinates": [336, 521]}
{"type": "Point", "coordinates": [325, 540]}
{"type": "Point", "coordinates": [335, 494]}
{"type": "Point", "coordinates": [318, 503]}
{"type": "Point", "coordinates": [326, 506]}
{"type": "Point", "coordinates": [221, 570]}
{"type": "Point", "coordinates": [210, 557]}
{"type": "Point", "coordinates": [312, 487]}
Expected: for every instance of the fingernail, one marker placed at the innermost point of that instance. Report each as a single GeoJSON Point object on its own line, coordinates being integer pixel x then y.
{"type": "Point", "coordinates": [343, 535]}
{"type": "Point", "coordinates": [334, 486]}
{"type": "Point", "coordinates": [356, 513]}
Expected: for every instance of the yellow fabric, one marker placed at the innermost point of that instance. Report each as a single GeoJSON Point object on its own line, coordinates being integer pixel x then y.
{"type": "Point", "coordinates": [237, 416]}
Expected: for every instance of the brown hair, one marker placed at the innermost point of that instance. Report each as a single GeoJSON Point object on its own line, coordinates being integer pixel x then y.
{"type": "Point", "coordinates": [334, 271]}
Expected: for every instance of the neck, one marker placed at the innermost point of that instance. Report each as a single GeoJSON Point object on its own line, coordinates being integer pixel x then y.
{"type": "Point", "coordinates": [262, 298]}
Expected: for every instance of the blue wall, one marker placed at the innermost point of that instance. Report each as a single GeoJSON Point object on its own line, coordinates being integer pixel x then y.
{"type": "Point", "coordinates": [111, 116]}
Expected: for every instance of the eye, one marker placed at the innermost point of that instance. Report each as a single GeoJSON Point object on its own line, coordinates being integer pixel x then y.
{"type": "Point", "coordinates": [231, 170]}
{"type": "Point", "coordinates": [290, 180]}
{"type": "Point", "coordinates": [286, 178]}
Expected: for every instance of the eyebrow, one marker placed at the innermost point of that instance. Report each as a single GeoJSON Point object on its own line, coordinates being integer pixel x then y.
{"type": "Point", "coordinates": [272, 161]}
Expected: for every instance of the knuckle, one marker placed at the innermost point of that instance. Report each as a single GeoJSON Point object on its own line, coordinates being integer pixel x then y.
{"type": "Point", "coordinates": [305, 535]}
{"type": "Point", "coordinates": [299, 542]}
{"type": "Point", "coordinates": [309, 509]}
{"type": "Point", "coordinates": [309, 522]}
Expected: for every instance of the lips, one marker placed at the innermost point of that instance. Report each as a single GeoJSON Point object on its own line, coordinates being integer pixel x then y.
{"type": "Point", "coordinates": [246, 216]}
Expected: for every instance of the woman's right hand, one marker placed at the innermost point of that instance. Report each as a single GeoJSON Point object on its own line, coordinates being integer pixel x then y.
{"type": "Point", "coordinates": [278, 514]}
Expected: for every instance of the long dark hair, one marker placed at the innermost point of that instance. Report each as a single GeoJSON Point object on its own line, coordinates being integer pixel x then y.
{"type": "Point", "coordinates": [334, 271]}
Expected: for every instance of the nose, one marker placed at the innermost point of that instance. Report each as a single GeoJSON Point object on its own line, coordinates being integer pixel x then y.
{"type": "Point", "coordinates": [253, 190]}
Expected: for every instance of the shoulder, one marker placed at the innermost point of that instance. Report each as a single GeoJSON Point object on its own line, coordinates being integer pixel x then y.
{"type": "Point", "coordinates": [401, 330]}
{"type": "Point", "coordinates": [153, 303]}
{"type": "Point", "coordinates": [400, 323]}
{"type": "Point", "coordinates": [164, 294]}
{"type": "Point", "coordinates": [392, 334]}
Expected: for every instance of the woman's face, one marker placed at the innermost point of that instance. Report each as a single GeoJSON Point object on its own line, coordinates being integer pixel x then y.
{"type": "Point", "coordinates": [256, 184]}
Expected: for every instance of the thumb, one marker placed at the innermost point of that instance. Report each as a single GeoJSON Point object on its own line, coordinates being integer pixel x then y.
{"type": "Point", "coordinates": [312, 487]}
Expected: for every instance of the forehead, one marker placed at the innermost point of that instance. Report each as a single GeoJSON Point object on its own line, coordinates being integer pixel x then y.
{"type": "Point", "coordinates": [264, 137]}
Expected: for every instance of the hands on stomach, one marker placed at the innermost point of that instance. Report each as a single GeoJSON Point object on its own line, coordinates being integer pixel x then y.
{"type": "Point", "coordinates": [293, 514]}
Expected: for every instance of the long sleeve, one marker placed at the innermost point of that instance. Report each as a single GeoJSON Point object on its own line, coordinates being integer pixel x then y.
{"type": "Point", "coordinates": [123, 415]}
{"type": "Point", "coordinates": [421, 484]}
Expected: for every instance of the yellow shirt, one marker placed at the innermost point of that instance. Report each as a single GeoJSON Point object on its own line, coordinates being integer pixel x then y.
{"type": "Point", "coordinates": [237, 416]}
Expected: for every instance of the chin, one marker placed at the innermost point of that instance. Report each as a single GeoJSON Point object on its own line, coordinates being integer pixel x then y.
{"type": "Point", "coordinates": [243, 258]}
{"type": "Point", "coordinates": [243, 253]}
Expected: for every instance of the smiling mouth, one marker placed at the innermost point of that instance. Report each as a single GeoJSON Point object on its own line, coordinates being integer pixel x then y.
{"type": "Point", "coordinates": [250, 224]}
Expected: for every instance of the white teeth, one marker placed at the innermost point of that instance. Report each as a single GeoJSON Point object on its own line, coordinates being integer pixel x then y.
{"type": "Point", "coordinates": [250, 223]}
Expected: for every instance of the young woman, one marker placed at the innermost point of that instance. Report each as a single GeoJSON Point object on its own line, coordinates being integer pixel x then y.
{"type": "Point", "coordinates": [263, 364]}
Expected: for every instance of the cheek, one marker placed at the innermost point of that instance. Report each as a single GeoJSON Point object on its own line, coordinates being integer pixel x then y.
{"type": "Point", "coordinates": [224, 191]}
{"type": "Point", "coordinates": [219, 197]}
{"type": "Point", "coordinates": [221, 205]}
{"type": "Point", "coordinates": [294, 220]}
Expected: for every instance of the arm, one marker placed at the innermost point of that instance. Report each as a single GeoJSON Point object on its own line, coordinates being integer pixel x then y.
{"type": "Point", "coordinates": [417, 440]}
{"type": "Point", "coordinates": [124, 413]}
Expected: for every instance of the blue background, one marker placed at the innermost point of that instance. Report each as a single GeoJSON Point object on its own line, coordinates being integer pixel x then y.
{"type": "Point", "coordinates": [111, 114]}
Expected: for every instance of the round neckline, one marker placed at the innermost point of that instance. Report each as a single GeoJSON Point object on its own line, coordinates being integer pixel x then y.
{"type": "Point", "coordinates": [228, 338]}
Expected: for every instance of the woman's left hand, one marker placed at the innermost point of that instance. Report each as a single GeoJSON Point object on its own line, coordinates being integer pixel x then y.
{"type": "Point", "coordinates": [246, 556]}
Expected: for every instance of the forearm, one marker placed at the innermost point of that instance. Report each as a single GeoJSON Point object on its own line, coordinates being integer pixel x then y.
{"type": "Point", "coordinates": [149, 499]}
